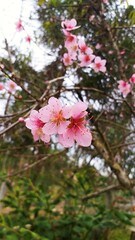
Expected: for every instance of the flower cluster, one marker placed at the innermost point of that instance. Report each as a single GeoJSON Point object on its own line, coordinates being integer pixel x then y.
{"type": "Point", "coordinates": [126, 87]}
{"type": "Point", "coordinates": [77, 49]}
{"type": "Point", "coordinates": [67, 122]}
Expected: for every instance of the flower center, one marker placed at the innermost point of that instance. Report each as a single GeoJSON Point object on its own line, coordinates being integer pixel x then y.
{"type": "Point", "coordinates": [58, 118]}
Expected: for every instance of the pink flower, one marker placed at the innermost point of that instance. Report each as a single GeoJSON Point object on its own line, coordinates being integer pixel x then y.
{"type": "Point", "coordinates": [36, 125]}
{"type": "Point", "coordinates": [72, 51]}
{"type": "Point", "coordinates": [71, 39]}
{"type": "Point", "coordinates": [67, 60]}
{"type": "Point", "coordinates": [76, 130]}
{"type": "Point", "coordinates": [132, 79]}
{"type": "Point", "coordinates": [124, 87]}
{"type": "Point", "coordinates": [98, 46]}
{"type": "Point", "coordinates": [28, 39]}
{"type": "Point", "coordinates": [19, 25]}
{"type": "Point", "coordinates": [54, 115]}
{"type": "Point", "coordinates": [85, 59]}
{"type": "Point", "coordinates": [83, 47]}
{"type": "Point", "coordinates": [11, 86]}
{"type": "Point", "coordinates": [69, 24]}
{"type": "Point", "coordinates": [1, 86]}
{"type": "Point", "coordinates": [99, 65]}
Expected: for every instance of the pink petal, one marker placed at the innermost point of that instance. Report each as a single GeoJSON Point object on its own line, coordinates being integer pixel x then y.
{"type": "Point", "coordinates": [67, 139]}
{"type": "Point", "coordinates": [83, 138]}
{"type": "Point", "coordinates": [50, 128]}
{"type": "Point", "coordinates": [45, 114]}
{"type": "Point", "coordinates": [78, 108]}
{"type": "Point", "coordinates": [55, 104]}
{"type": "Point", "coordinates": [63, 127]}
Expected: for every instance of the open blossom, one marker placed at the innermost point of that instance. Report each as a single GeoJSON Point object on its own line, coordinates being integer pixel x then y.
{"type": "Point", "coordinates": [72, 51]}
{"type": "Point", "coordinates": [70, 40]}
{"type": "Point", "coordinates": [132, 79]}
{"type": "Point", "coordinates": [85, 59]}
{"type": "Point", "coordinates": [1, 86]}
{"type": "Point", "coordinates": [54, 115]}
{"type": "Point", "coordinates": [67, 60]}
{"type": "Point", "coordinates": [99, 64]}
{"type": "Point", "coordinates": [83, 47]}
{"type": "Point", "coordinates": [69, 24]}
{"type": "Point", "coordinates": [19, 25]}
{"type": "Point", "coordinates": [76, 130]}
{"type": "Point", "coordinates": [35, 125]}
{"type": "Point", "coordinates": [124, 87]}
{"type": "Point", "coordinates": [11, 86]}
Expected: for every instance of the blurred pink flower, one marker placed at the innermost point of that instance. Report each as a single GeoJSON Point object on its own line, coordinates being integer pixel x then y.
{"type": "Point", "coordinates": [19, 25]}
{"type": "Point", "coordinates": [99, 65]}
{"type": "Point", "coordinates": [69, 24]}
{"type": "Point", "coordinates": [132, 79]}
{"type": "Point", "coordinates": [124, 87]}
{"type": "Point", "coordinates": [91, 18]}
{"type": "Point", "coordinates": [85, 59]}
{"type": "Point", "coordinates": [11, 86]}
{"type": "Point", "coordinates": [98, 46]}
{"type": "Point", "coordinates": [54, 115]}
{"type": "Point", "coordinates": [35, 125]}
{"type": "Point", "coordinates": [76, 130]}
{"type": "Point", "coordinates": [105, 1]}
{"type": "Point", "coordinates": [67, 60]}
{"type": "Point", "coordinates": [1, 86]}
{"type": "Point", "coordinates": [28, 39]}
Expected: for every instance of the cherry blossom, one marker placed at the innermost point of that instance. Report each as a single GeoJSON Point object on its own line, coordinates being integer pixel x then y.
{"type": "Point", "coordinates": [124, 87]}
{"type": "Point", "coordinates": [83, 47]}
{"type": "Point", "coordinates": [99, 65]}
{"type": "Point", "coordinates": [67, 60]}
{"type": "Point", "coordinates": [54, 115]}
{"type": "Point", "coordinates": [1, 86]}
{"type": "Point", "coordinates": [11, 86]}
{"type": "Point", "coordinates": [71, 39]}
{"type": "Point", "coordinates": [28, 39]}
{"type": "Point", "coordinates": [132, 79]}
{"type": "Point", "coordinates": [69, 24]}
{"type": "Point", "coordinates": [35, 125]}
{"type": "Point", "coordinates": [19, 25]}
{"type": "Point", "coordinates": [98, 46]}
{"type": "Point", "coordinates": [76, 130]}
{"type": "Point", "coordinates": [85, 59]}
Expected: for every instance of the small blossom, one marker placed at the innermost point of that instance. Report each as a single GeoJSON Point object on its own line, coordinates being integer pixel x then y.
{"type": "Point", "coordinates": [99, 65]}
{"type": "Point", "coordinates": [19, 25]}
{"type": "Point", "coordinates": [83, 47]}
{"type": "Point", "coordinates": [1, 86]}
{"type": "Point", "coordinates": [124, 87]}
{"type": "Point", "coordinates": [28, 39]}
{"type": "Point", "coordinates": [54, 115]}
{"type": "Point", "coordinates": [69, 24]}
{"type": "Point", "coordinates": [67, 60]}
{"type": "Point", "coordinates": [71, 39]}
{"type": "Point", "coordinates": [132, 79]}
{"type": "Point", "coordinates": [98, 46]}
{"type": "Point", "coordinates": [85, 59]}
{"type": "Point", "coordinates": [105, 1]}
{"type": "Point", "coordinates": [35, 125]}
{"type": "Point", "coordinates": [11, 86]}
